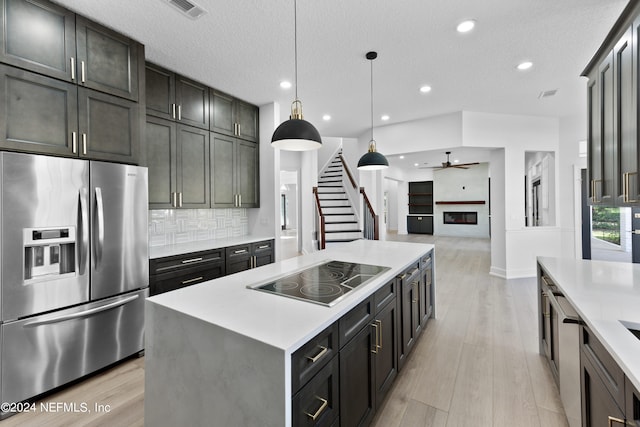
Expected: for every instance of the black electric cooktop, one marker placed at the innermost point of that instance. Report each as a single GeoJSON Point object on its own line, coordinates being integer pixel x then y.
{"type": "Point", "coordinates": [324, 284]}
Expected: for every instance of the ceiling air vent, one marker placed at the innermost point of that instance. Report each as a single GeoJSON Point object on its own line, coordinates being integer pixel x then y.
{"type": "Point", "coordinates": [187, 7]}
{"type": "Point", "coordinates": [547, 93]}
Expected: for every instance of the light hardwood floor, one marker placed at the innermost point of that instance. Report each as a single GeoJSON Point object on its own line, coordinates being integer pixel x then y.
{"type": "Point", "coordinates": [477, 364]}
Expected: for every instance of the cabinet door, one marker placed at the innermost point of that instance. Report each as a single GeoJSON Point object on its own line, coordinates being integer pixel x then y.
{"type": "Point", "coordinates": [607, 189]}
{"type": "Point", "coordinates": [410, 316]}
{"type": "Point", "coordinates": [109, 127]}
{"type": "Point", "coordinates": [193, 167]}
{"type": "Point", "coordinates": [222, 115]}
{"type": "Point", "coordinates": [357, 388]}
{"type": "Point", "coordinates": [386, 358]}
{"type": "Point", "coordinates": [161, 161]}
{"type": "Point", "coordinates": [426, 306]}
{"type": "Point", "coordinates": [247, 174]}
{"type": "Point", "coordinates": [598, 406]}
{"type": "Point", "coordinates": [625, 121]}
{"type": "Point", "coordinates": [180, 279]}
{"type": "Point", "coordinates": [193, 103]}
{"type": "Point", "coordinates": [107, 61]}
{"type": "Point", "coordinates": [37, 113]}
{"type": "Point", "coordinates": [223, 193]}
{"type": "Point", "coordinates": [49, 49]}
{"type": "Point", "coordinates": [160, 92]}
{"type": "Point", "coordinates": [263, 253]}
{"type": "Point", "coordinates": [247, 121]}
{"type": "Point", "coordinates": [594, 137]}
{"type": "Point", "coordinates": [318, 403]}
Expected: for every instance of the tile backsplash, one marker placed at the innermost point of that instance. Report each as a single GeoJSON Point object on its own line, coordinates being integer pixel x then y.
{"type": "Point", "coordinates": [169, 226]}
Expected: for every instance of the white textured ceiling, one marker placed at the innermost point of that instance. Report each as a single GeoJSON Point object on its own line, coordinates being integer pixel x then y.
{"type": "Point", "coordinates": [245, 48]}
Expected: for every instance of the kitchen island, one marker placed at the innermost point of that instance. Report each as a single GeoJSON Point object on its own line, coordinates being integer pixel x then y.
{"type": "Point", "coordinates": [220, 353]}
{"type": "Point", "coordinates": [587, 312]}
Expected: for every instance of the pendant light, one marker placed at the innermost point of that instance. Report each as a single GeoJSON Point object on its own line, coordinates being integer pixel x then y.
{"type": "Point", "coordinates": [372, 160]}
{"type": "Point", "coordinates": [296, 134]}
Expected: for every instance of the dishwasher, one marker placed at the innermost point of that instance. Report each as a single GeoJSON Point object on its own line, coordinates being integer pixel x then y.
{"type": "Point", "coordinates": [565, 331]}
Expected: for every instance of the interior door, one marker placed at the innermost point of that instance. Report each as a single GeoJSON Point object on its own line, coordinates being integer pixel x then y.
{"type": "Point", "coordinates": [119, 249]}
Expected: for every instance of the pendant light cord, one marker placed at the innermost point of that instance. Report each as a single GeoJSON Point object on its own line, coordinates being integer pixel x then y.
{"type": "Point", "coordinates": [371, 99]}
{"type": "Point", "coordinates": [295, 43]}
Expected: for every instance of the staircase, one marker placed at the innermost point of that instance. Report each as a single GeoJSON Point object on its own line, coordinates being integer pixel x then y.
{"type": "Point", "coordinates": [341, 224]}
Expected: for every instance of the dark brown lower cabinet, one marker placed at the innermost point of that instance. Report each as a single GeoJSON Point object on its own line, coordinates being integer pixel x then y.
{"type": "Point", "coordinates": [598, 406]}
{"type": "Point", "coordinates": [409, 311]}
{"type": "Point", "coordinates": [357, 388]}
{"type": "Point", "coordinates": [250, 255]}
{"type": "Point", "coordinates": [317, 403]}
{"type": "Point", "coordinates": [386, 357]}
{"type": "Point", "coordinates": [426, 289]}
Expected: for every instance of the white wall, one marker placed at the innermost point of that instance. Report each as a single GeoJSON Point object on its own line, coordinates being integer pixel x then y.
{"type": "Point", "coordinates": [391, 189]}
{"type": "Point", "coordinates": [455, 184]}
{"type": "Point", "coordinates": [516, 134]}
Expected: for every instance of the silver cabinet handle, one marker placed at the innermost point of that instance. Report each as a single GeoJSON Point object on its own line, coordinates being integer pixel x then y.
{"type": "Point", "coordinates": [375, 346]}
{"type": "Point", "coordinates": [173, 111]}
{"type": "Point", "coordinates": [84, 144]}
{"type": "Point", "coordinates": [180, 199]}
{"type": "Point", "coordinates": [174, 199]}
{"type": "Point", "coordinates": [239, 200]}
{"type": "Point", "coordinates": [240, 251]}
{"type": "Point", "coordinates": [85, 313]}
{"type": "Point", "coordinates": [74, 142]}
{"type": "Point", "coordinates": [179, 112]}
{"type": "Point", "coordinates": [195, 279]}
{"type": "Point", "coordinates": [73, 68]}
{"type": "Point", "coordinates": [239, 130]}
{"type": "Point", "coordinates": [82, 72]}
{"type": "Point", "coordinates": [100, 230]}
{"type": "Point", "coordinates": [263, 247]}
{"type": "Point", "coordinates": [187, 261]}
{"type": "Point", "coordinates": [84, 228]}
{"type": "Point", "coordinates": [322, 352]}
{"type": "Point", "coordinates": [324, 405]}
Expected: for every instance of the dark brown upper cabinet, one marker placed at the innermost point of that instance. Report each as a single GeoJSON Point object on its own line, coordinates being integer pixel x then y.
{"type": "Point", "coordinates": [231, 116]}
{"type": "Point", "coordinates": [45, 38]}
{"type": "Point", "coordinates": [174, 97]}
{"type": "Point", "coordinates": [612, 114]}
{"type": "Point", "coordinates": [45, 115]}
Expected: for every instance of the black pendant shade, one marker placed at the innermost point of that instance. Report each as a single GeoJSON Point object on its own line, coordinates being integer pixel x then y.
{"type": "Point", "coordinates": [296, 134]}
{"type": "Point", "coordinates": [372, 160]}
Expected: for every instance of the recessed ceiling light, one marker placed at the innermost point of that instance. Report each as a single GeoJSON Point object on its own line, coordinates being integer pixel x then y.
{"type": "Point", "coordinates": [326, 117]}
{"type": "Point", "coordinates": [456, 161]}
{"type": "Point", "coordinates": [416, 164]}
{"type": "Point", "coordinates": [285, 84]}
{"type": "Point", "coordinates": [466, 26]}
{"type": "Point", "coordinates": [384, 117]}
{"type": "Point", "coordinates": [425, 89]}
{"type": "Point", "coordinates": [524, 65]}
{"type": "Point", "coordinates": [402, 157]}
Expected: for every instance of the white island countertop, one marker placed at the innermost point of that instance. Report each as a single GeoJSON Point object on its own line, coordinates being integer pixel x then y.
{"type": "Point", "coordinates": [219, 354]}
{"type": "Point", "coordinates": [279, 321]}
{"type": "Point", "coordinates": [604, 294]}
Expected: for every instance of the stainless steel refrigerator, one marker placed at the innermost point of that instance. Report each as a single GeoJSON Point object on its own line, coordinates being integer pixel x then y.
{"type": "Point", "coordinates": [74, 269]}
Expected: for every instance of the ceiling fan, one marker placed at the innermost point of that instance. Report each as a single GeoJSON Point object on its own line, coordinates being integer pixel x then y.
{"type": "Point", "coordinates": [448, 164]}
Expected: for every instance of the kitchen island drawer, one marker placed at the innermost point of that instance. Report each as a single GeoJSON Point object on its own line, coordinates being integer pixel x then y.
{"type": "Point", "coordinates": [351, 323]}
{"type": "Point", "coordinates": [311, 357]}
{"type": "Point", "coordinates": [605, 366]}
{"type": "Point", "coordinates": [190, 260]}
{"type": "Point", "coordinates": [318, 403]}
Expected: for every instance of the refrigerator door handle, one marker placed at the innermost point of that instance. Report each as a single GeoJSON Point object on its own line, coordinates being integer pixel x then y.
{"type": "Point", "coordinates": [99, 225]}
{"type": "Point", "coordinates": [84, 229]}
{"type": "Point", "coordinates": [85, 313]}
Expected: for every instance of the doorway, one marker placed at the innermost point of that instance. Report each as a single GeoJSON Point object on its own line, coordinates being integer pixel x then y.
{"type": "Point", "coordinates": [289, 214]}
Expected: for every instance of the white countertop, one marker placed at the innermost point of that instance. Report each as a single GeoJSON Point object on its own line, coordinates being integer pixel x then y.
{"type": "Point", "coordinates": [604, 293]}
{"type": "Point", "coordinates": [202, 245]}
{"type": "Point", "coordinates": [282, 322]}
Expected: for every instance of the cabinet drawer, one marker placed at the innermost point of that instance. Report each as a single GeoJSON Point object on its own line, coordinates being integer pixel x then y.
{"type": "Point", "coordinates": [426, 260]}
{"type": "Point", "coordinates": [239, 251]}
{"type": "Point", "coordinates": [311, 357]}
{"type": "Point", "coordinates": [185, 277]}
{"type": "Point", "coordinates": [172, 263]}
{"type": "Point", "coordinates": [317, 404]}
{"type": "Point", "coordinates": [264, 246]}
{"type": "Point", "coordinates": [607, 368]}
{"type": "Point", "coordinates": [351, 323]}
{"type": "Point", "coordinates": [385, 294]}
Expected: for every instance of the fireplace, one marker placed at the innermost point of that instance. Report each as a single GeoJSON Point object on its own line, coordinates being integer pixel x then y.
{"type": "Point", "coordinates": [460, 217]}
